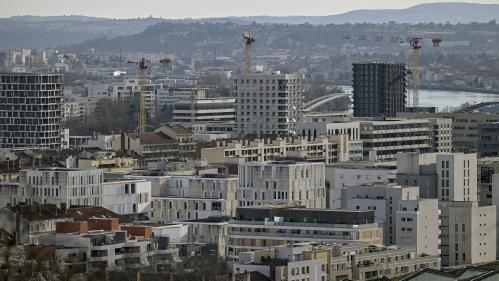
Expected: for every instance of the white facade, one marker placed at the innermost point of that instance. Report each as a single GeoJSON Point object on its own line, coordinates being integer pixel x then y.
{"type": "Point", "coordinates": [127, 197]}
{"type": "Point", "coordinates": [392, 203]}
{"type": "Point", "coordinates": [85, 187]}
{"type": "Point", "coordinates": [341, 176]}
{"type": "Point", "coordinates": [468, 233]}
{"type": "Point", "coordinates": [301, 184]}
{"type": "Point", "coordinates": [63, 186]}
{"type": "Point", "coordinates": [417, 224]}
{"type": "Point", "coordinates": [457, 177]}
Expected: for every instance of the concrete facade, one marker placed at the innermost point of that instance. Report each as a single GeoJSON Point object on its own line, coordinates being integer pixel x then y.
{"type": "Point", "coordinates": [268, 103]}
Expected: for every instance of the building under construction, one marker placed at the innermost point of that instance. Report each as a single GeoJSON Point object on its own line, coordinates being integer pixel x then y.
{"type": "Point", "coordinates": [31, 107]}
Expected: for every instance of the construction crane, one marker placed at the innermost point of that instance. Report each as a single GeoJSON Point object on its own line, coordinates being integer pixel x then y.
{"type": "Point", "coordinates": [248, 41]}
{"type": "Point", "coordinates": [416, 45]}
{"type": "Point", "coordinates": [142, 68]}
{"type": "Point", "coordinates": [194, 92]}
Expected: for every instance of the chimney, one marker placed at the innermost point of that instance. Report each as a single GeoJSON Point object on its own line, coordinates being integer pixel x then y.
{"type": "Point", "coordinates": [63, 207]}
{"type": "Point", "coordinates": [248, 276]}
{"type": "Point", "coordinates": [233, 276]}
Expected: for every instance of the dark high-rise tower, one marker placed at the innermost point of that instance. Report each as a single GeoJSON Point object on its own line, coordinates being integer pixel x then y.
{"type": "Point", "coordinates": [379, 89]}
{"type": "Point", "coordinates": [31, 107]}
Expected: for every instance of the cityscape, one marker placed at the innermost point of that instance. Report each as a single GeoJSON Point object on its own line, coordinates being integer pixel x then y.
{"type": "Point", "coordinates": [360, 143]}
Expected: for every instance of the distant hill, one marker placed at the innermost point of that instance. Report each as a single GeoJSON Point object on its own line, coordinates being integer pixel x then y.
{"type": "Point", "coordinates": [56, 31]}
{"type": "Point", "coordinates": [433, 12]}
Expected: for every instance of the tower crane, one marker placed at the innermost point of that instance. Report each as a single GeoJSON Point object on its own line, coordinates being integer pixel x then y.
{"type": "Point", "coordinates": [142, 66]}
{"type": "Point", "coordinates": [248, 41]}
{"type": "Point", "coordinates": [416, 45]}
{"type": "Point", "coordinates": [194, 92]}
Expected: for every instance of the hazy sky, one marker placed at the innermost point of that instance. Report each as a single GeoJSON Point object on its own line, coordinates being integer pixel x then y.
{"type": "Point", "coordinates": [199, 8]}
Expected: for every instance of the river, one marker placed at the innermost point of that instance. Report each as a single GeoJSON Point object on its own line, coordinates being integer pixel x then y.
{"type": "Point", "coordinates": [447, 100]}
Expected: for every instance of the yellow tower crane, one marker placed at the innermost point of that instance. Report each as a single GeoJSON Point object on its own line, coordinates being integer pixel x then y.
{"type": "Point", "coordinates": [248, 41]}
{"type": "Point", "coordinates": [142, 68]}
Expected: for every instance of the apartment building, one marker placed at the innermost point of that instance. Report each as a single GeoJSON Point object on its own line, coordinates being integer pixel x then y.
{"type": "Point", "coordinates": [108, 246]}
{"type": "Point", "coordinates": [257, 228]}
{"type": "Point", "coordinates": [399, 211]}
{"type": "Point", "coordinates": [342, 175]}
{"type": "Point", "coordinates": [313, 130]}
{"type": "Point", "coordinates": [31, 110]}
{"type": "Point", "coordinates": [127, 197]}
{"type": "Point", "coordinates": [329, 150]}
{"type": "Point", "coordinates": [196, 197]}
{"type": "Point", "coordinates": [335, 261]}
{"type": "Point", "coordinates": [282, 182]}
{"type": "Point", "coordinates": [468, 233]}
{"type": "Point", "coordinates": [80, 187]}
{"type": "Point", "coordinates": [268, 103]}
{"type": "Point", "coordinates": [210, 231]}
{"type": "Point", "coordinates": [379, 89]}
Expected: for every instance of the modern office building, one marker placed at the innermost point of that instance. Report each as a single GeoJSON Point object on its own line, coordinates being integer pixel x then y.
{"type": "Point", "coordinates": [383, 139]}
{"type": "Point", "coordinates": [257, 228]}
{"type": "Point", "coordinates": [282, 182]}
{"type": "Point", "coordinates": [268, 103]}
{"type": "Point", "coordinates": [206, 110]}
{"type": "Point", "coordinates": [488, 144]}
{"type": "Point", "coordinates": [31, 110]}
{"type": "Point", "coordinates": [379, 89]}
{"type": "Point", "coordinates": [465, 126]}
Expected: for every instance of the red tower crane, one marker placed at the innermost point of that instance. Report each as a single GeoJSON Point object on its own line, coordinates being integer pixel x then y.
{"type": "Point", "coordinates": [248, 41]}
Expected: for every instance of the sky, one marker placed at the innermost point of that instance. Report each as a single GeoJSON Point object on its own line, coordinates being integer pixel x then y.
{"type": "Point", "coordinates": [199, 8]}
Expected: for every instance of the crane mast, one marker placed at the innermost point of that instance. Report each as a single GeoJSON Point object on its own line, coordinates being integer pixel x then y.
{"type": "Point", "coordinates": [248, 41]}
{"type": "Point", "coordinates": [142, 99]}
{"type": "Point", "coordinates": [416, 45]}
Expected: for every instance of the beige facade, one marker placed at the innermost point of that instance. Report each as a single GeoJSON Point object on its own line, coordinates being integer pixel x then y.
{"type": "Point", "coordinates": [347, 261]}
{"type": "Point", "coordinates": [457, 177]}
{"type": "Point", "coordinates": [261, 150]}
{"type": "Point", "coordinates": [260, 228]}
{"type": "Point", "coordinates": [285, 182]}
{"type": "Point", "coordinates": [468, 233]}
{"type": "Point", "coordinates": [196, 197]}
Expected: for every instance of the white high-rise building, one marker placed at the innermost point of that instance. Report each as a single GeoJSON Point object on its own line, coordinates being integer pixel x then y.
{"type": "Point", "coordinates": [268, 103]}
